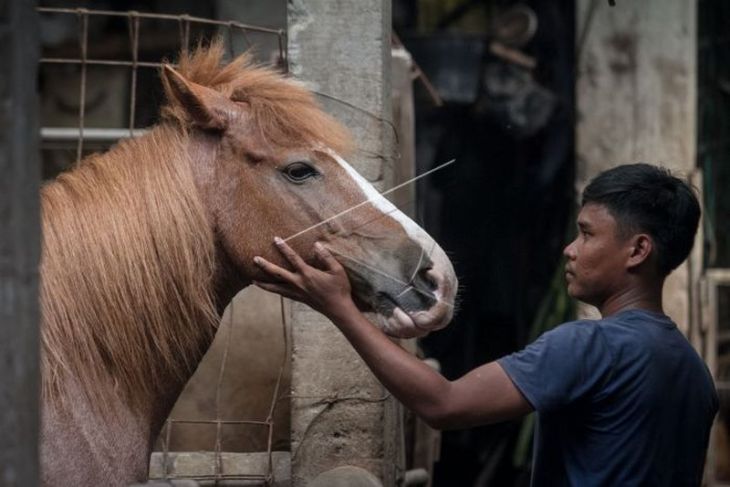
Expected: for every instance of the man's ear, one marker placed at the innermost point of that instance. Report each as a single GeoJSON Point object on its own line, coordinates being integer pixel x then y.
{"type": "Point", "coordinates": [206, 107]}
{"type": "Point", "coordinates": [641, 248]}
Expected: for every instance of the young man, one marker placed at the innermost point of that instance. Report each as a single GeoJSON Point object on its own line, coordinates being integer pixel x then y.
{"type": "Point", "coordinates": [623, 400]}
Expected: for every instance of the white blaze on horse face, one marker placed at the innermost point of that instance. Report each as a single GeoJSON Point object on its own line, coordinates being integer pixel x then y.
{"type": "Point", "coordinates": [438, 316]}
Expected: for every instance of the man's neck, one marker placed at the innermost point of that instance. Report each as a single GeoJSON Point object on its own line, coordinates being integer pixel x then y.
{"type": "Point", "coordinates": [646, 297]}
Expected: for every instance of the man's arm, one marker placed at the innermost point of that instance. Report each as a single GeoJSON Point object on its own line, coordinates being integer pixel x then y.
{"type": "Point", "coordinates": [484, 395]}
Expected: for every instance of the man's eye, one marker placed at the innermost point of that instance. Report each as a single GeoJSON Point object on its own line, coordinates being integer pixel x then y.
{"type": "Point", "coordinates": [298, 172]}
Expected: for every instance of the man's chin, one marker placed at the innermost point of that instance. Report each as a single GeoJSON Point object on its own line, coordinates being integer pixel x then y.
{"type": "Point", "coordinates": [570, 289]}
{"type": "Point", "coordinates": [576, 294]}
{"type": "Point", "coordinates": [584, 298]}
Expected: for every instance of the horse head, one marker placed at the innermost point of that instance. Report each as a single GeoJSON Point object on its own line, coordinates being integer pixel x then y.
{"type": "Point", "coordinates": [268, 163]}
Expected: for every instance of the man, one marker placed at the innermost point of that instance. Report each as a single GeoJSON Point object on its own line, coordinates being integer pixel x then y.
{"type": "Point", "coordinates": [623, 400]}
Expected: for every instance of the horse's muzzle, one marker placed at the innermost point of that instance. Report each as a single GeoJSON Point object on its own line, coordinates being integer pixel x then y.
{"type": "Point", "coordinates": [417, 307]}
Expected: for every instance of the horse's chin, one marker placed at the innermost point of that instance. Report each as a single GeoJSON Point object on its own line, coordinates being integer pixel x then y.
{"type": "Point", "coordinates": [400, 324]}
{"type": "Point", "coordinates": [387, 314]}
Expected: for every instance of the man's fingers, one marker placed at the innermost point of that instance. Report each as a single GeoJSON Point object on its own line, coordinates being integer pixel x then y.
{"type": "Point", "coordinates": [326, 257]}
{"type": "Point", "coordinates": [274, 270]}
{"type": "Point", "coordinates": [294, 259]}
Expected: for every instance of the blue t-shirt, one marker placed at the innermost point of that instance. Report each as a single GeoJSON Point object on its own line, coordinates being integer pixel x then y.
{"type": "Point", "coordinates": [621, 401]}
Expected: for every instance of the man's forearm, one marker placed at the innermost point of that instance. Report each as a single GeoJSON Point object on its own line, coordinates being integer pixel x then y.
{"type": "Point", "coordinates": [410, 380]}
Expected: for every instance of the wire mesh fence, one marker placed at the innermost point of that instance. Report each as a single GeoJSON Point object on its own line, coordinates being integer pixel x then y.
{"type": "Point", "coordinates": [187, 27]}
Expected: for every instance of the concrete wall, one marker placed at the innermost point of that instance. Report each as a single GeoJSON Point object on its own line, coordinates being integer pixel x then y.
{"type": "Point", "coordinates": [340, 413]}
{"type": "Point", "coordinates": [636, 90]}
{"type": "Point", "coordinates": [19, 245]}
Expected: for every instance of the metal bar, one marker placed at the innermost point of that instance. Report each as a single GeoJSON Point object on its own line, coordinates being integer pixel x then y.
{"type": "Point", "coordinates": [232, 476]}
{"type": "Point", "coordinates": [148, 15]}
{"type": "Point", "coordinates": [166, 448]}
{"type": "Point", "coordinates": [82, 97]}
{"type": "Point", "coordinates": [249, 45]}
{"type": "Point", "coordinates": [214, 421]}
{"type": "Point", "coordinates": [283, 57]}
{"type": "Point", "coordinates": [64, 134]}
{"type": "Point", "coordinates": [185, 19]}
{"type": "Point", "coordinates": [718, 276]}
{"type": "Point", "coordinates": [134, 41]}
{"type": "Point", "coordinates": [218, 461]}
{"type": "Point", "coordinates": [102, 62]}
{"type": "Point", "coordinates": [229, 43]}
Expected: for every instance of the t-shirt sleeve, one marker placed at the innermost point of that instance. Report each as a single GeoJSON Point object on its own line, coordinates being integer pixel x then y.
{"type": "Point", "coordinates": [561, 367]}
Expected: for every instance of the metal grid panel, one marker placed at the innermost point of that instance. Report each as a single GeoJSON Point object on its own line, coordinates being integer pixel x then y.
{"type": "Point", "coordinates": [229, 29]}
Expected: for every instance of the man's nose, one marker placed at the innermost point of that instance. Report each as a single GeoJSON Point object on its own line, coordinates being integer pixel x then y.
{"type": "Point", "coordinates": [569, 250]}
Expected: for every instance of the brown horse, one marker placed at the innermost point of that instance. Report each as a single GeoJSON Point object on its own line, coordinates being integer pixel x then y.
{"type": "Point", "coordinates": [145, 244]}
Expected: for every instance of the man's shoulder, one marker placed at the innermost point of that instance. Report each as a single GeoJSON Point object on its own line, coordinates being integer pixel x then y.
{"type": "Point", "coordinates": [582, 329]}
{"type": "Point", "coordinates": [641, 328]}
{"type": "Point", "coordinates": [569, 341]}
{"type": "Point", "coordinates": [563, 365]}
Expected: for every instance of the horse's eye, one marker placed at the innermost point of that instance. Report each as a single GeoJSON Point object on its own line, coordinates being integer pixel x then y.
{"type": "Point", "coordinates": [298, 172]}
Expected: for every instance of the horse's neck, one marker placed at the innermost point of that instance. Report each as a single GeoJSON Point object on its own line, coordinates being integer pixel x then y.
{"type": "Point", "coordinates": [83, 448]}
{"type": "Point", "coordinates": [227, 282]}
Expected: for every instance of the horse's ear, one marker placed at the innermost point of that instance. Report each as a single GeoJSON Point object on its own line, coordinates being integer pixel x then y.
{"type": "Point", "coordinates": [206, 107]}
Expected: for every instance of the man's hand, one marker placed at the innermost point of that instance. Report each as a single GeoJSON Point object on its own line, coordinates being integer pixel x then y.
{"type": "Point", "coordinates": [326, 290]}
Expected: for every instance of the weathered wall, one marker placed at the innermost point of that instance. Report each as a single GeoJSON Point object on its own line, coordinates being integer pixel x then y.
{"type": "Point", "coordinates": [343, 50]}
{"type": "Point", "coordinates": [19, 245]}
{"type": "Point", "coordinates": [636, 97]}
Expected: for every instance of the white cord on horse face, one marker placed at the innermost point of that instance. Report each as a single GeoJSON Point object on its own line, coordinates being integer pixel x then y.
{"type": "Point", "coordinates": [420, 260]}
{"type": "Point", "coordinates": [374, 269]}
{"type": "Point", "coordinates": [406, 285]}
{"type": "Point", "coordinates": [369, 200]}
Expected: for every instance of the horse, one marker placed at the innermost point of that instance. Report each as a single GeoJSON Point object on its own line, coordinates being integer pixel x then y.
{"type": "Point", "coordinates": [145, 244]}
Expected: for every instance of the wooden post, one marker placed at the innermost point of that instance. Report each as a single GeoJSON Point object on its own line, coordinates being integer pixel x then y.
{"type": "Point", "coordinates": [19, 245]}
{"type": "Point", "coordinates": [343, 50]}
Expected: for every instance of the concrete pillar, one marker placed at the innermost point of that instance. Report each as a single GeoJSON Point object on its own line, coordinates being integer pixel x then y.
{"type": "Point", "coordinates": [636, 97]}
{"type": "Point", "coordinates": [19, 245]}
{"type": "Point", "coordinates": [341, 415]}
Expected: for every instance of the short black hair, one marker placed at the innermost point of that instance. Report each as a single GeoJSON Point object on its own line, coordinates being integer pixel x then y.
{"type": "Point", "coordinates": [646, 198]}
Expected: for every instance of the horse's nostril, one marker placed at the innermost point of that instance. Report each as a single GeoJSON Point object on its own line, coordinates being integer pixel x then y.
{"type": "Point", "coordinates": [428, 278]}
